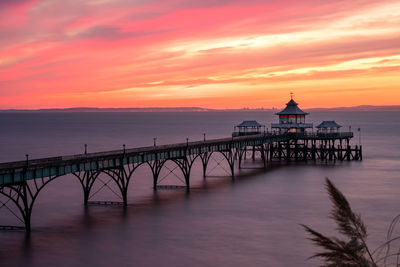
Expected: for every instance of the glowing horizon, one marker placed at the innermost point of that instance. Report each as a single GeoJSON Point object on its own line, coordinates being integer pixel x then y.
{"type": "Point", "coordinates": [210, 54]}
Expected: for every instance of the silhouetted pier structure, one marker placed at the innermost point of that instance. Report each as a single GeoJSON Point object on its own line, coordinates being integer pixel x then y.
{"type": "Point", "coordinates": [22, 181]}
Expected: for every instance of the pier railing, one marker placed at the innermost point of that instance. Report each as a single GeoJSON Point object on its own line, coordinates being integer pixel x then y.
{"type": "Point", "coordinates": [338, 135]}
{"type": "Point", "coordinates": [21, 181]}
{"type": "Point", "coordinates": [191, 147]}
{"type": "Point", "coordinates": [18, 171]}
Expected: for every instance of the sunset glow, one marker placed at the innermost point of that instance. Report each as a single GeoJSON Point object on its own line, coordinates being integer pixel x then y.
{"type": "Point", "coordinates": [212, 54]}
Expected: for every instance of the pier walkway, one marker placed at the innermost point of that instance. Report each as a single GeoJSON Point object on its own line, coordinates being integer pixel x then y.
{"type": "Point", "coordinates": [21, 181]}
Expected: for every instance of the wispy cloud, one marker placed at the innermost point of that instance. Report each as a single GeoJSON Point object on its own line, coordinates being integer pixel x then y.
{"type": "Point", "coordinates": [115, 53]}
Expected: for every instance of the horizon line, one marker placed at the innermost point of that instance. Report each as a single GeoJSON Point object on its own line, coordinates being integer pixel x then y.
{"type": "Point", "coordinates": [192, 108]}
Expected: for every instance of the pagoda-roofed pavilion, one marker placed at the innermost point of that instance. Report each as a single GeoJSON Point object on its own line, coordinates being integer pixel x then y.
{"type": "Point", "coordinates": [292, 119]}
{"type": "Point", "coordinates": [248, 128]}
{"type": "Point", "coordinates": [328, 127]}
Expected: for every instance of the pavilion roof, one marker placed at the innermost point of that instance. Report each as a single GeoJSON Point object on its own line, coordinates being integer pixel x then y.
{"type": "Point", "coordinates": [249, 124]}
{"type": "Point", "coordinates": [292, 109]}
{"type": "Point", "coordinates": [329, 124]}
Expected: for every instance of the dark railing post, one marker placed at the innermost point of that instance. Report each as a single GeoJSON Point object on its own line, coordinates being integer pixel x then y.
{"type": "Point", "coordinates": [348, 152]}
{"type": "Point", "coordinates": [356, 153]}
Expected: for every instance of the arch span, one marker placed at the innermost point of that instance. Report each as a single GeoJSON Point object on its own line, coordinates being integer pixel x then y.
{"type": "Point", "coordinates": [24, 195]}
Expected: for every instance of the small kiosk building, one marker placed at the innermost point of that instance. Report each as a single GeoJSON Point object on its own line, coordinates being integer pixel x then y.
{"type": "Point", "coordinates": [248, 128]}
{"type": "Point", "coordinates": [328, 127]}
{"type": "Point", "coordinates": [292, 119]}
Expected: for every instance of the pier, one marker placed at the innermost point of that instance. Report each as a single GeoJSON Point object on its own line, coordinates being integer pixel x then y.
{"type": "Point", "coordinates": [288, 140]}
{"type": "Point", "coordinates": [22, 181]}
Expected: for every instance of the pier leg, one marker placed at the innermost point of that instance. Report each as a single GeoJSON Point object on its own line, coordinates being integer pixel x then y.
{"type": "Point", "coordinates": [23, 195]}
{"type": "Point", "coordinates": [264, 155]}
{"type": "Point", "coordinates": [28, 208]}
{"type": "Point", "coordinates": [280, 151]}
{"type": "Point", "coordinates": [348, 153]}
{"type": "Point", "coordinates": [241, 152]}
{"type": "Point", "coordinates": [271, 151]}
{"type": "Point", "coordinates": [185, 164]}
{"type": "Point", "coordinates": [121, 179]}
{"type": "Point", "coordinates": [205, 158]}
{"type": "Point", "coordinates": [313, 151]}
{"type": "Point", "coordinates": [296, 150]}
{"type": "Point", "coordinates": [229, 156]}
{"type": "Point", "coordinates": [305, 150]}
{"type": "Point", "coordinates": [288, 152]}
{"type": "Point", "coordinates": [356, 150]}
{"type": "Point", "coordinates": [156, 167]}
{"type": "Point", "coordinates": [87, 180]}
{"type": "Point", "coordinates": [322, 152]}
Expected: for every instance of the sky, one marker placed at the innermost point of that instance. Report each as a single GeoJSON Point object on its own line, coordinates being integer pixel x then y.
{"type": "Point", "coordinates": [209, 53]}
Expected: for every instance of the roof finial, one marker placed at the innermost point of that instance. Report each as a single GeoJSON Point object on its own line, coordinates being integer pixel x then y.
{"type": "Point", "coordinates": [291, 95]}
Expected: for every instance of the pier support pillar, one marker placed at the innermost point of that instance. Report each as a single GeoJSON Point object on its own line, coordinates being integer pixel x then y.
{"type": "Point", "coordinates": [279, 151]}
{"type": "Point", "coordinates": [230, 158]}
{"type": "Point", "coordinates": [266, 148]}
{"type": "Point", "coordinates": [185, 164]}
{"type": "Point", "coordinates": [241, 152]}
{"type": "Point", "coordinates": [305, 150]}
{"type": "Point", "coordinates": [264, 155]}
{"type": "Point", "coordinates": [356, 153]}
{"type": "Point", "coordinates": [313, 151]}
{"type": "Point", "coordinates": [348, 153]}
{"type": "Point", "coordinates": [296, 150]}
{"type": "Point", "coordinates": [121, 178]}
{"type": "Point", "coordinates": [23, 195]}
{"type": "Point", "coordinates": [322, 152]}
{"type": "Point", "coordinates": [288, 152]}
{"type": "Point", "coordinates": [87, 180]}
{"type": "Point", "coordinates": [156, 167]}
{"type": "Point", "coordinates": [271, 151]}
{"type": "Point", "coordinates": [205, 158]}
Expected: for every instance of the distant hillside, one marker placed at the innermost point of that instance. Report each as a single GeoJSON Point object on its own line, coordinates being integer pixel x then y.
{"type": "Point", "coordinates": [85, 109]}
{"type": "Point", "coordinates": [359, 108]}
{"type": "Point", "coordinates": [197, 109]}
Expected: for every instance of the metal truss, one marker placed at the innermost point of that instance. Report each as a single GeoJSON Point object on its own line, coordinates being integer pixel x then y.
{"type": "Point", "coordinates": [23, 195]}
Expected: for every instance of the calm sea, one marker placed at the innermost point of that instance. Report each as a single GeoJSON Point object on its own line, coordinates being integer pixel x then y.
{"type": "Point", "coordinates": [252, 220]}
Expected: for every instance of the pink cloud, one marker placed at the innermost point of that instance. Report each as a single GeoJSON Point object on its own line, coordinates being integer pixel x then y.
{"type": "Point", "coordinates": [53, 47]}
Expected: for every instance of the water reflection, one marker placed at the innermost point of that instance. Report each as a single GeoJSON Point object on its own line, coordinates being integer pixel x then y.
{"type": "Point", "coordinates": [252, 220]}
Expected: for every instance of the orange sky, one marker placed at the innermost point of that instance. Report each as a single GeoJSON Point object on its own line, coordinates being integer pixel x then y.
{"type": "Point", "coordinates": [210, 53]}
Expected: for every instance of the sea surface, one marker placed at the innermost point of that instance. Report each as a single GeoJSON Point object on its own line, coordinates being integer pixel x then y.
{"type": "Point", "coordinates": [252, 220]}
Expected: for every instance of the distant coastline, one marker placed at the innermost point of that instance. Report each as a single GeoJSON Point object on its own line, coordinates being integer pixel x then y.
{"type": "Point", "coordinates": [199, 109]}
{"type": "Point", "coordinates": [359, 108]}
